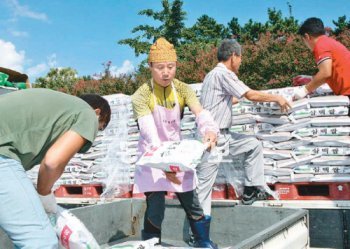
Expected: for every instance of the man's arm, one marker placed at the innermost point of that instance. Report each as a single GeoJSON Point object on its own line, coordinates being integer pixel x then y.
{"type": "Point", "coordinates": [258, 96]}
{"type": "Point", "coordinates": [144, 117]}
{"type": "Point", "coordinates": [324, 72]}
{"type": "Point", "coordinates": [56, 158]}
{"type": "Point", "coordinates": [206, 125]}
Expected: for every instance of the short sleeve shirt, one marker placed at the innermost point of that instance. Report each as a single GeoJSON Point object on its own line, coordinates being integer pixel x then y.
{"type": "Point", "coordinates": [219, 86]}
{"type": "Point", "coordinates": [33, 119]}
{"type": "Point", "coordinates": [143, 101]}
{"type": "Point", "coordinates": [328, 48]}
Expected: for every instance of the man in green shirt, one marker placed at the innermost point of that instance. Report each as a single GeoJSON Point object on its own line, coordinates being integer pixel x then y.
{"type": "Point", "coordinates": [41, 126]}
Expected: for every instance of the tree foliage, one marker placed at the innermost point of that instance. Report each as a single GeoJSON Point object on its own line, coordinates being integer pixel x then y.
{"type": "Point", "coordinates": [272, 51]}
{"type": "Point", "coordinates": [61, 79]}
{"type": "Point", "coordinates": [206, 29]}
{"type": "Point", "coordinates": [172, 23]}
{"type": "Point", "coordinates": [341, 25]}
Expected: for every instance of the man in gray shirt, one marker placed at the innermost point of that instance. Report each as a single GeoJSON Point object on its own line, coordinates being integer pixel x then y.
{"type": "Point", "coordinates": [220, 87]}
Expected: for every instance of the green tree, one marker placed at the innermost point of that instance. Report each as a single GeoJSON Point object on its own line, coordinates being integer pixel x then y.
{"type": "Point", "coordinates": [235, 29]}
{"type": "Point", "coordinates": [279, 26]}
{"type": "Point", "coordinates": [341, 25]}
{"type": "Point", "coordinates": [172, 22]}
{"type": "Point", "coordinates": [206, 29]}
{"type": "Point", "coordinates": [251, 30]}
{"type": "Point", "coordinates": [61, 79]}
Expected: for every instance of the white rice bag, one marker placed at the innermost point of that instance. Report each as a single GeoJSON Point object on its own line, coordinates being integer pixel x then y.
{"type": "Point", "coordinates": [239, 109]}
{"type": "Point", "coordinates": [332, 160]}
{"type": "Point", "coordinates": [322, 169]}
{"type": "Point", "coordinates": [72, 233]}
{"type": "Point", "coordinates": [322, 131]}
{"type": "Point", "coordinates": [174, 156]}
{"type": "Point", "coordinates": [329, 111]}
{"type": "Point", "coordinates": [327, 101]}
{"type": "Point", "coordinates": [244, 119]}
{"type": "Point", "coordinates": [301, 123]}
{"type": "Point", "coordinates": [299, 114]}
{"type": "Point", "coordinates": [331, 141]}
{"type": "Point", "coordinates": [270, 170]}
{"type": "Point", "coordinates": [277, 154]}
{"type": "Point", "coordinates": [296, 178]}
{"type": "Point", "coordinates": [146, 244]}
{"type": "Point", "coordinates": [291, 163]}
{"type": "Point", "coordinates": [325, 151]}
{"type": "Point", "coordinates": [295, 106]}
{"type": "Point", "coordinates": [273, 119]}
{"type": "Point", "coordinates": [274, 137]}
{"type": "Point", "coordinates": [251, 128]}
{"type": "Point", "coordinates": [331, 121]}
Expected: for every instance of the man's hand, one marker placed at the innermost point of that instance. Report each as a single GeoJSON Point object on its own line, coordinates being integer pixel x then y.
{"type": "Point", "coordinates": [210, 138]}
{"type": "Point", "coordinates": [171, 176]}
{"type": "Point", "coordinates": [283, 103]}
{"type": "Point", "coordinates": [301, 80]}
{"type": "Point", "coordinates": [234, 100]}
{"type": "Point", "coordinates": [300, 93]}
{"type": "Point", "coordinates": [49, 203]}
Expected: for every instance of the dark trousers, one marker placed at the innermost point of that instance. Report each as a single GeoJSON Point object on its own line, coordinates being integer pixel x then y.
{"type": "Point", "coordinates": [156, 207]}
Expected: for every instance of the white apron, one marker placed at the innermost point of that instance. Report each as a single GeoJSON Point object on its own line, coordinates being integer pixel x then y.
{"type": "Point", "coordinates": [148, 179]}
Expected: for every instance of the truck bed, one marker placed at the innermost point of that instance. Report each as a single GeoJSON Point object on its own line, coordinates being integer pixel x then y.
{"type": "Point", "coordinates": [233, 226]}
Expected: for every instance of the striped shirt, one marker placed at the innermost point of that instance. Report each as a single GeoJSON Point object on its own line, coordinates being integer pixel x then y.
{"type": "Point", "coordinates": [219, 86]}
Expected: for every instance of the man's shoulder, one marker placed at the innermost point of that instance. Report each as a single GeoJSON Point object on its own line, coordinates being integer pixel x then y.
{"type": "Point", "coordinates": [325, 41]}
{"type": "Point", "coordinates": [144, 91]}
{"type": "Point", "coordinates": [179, 83]}
{"type": "Point", "coordinates": [219, 71]}
{"type": "Point", "coordinates": [181, 86]}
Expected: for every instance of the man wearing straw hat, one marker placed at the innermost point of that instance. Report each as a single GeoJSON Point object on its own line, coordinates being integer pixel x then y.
{"type": "Point", "coordinates": [158, 106]}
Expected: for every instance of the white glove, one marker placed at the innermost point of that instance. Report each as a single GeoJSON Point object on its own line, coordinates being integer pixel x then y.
{"type": "Point", "coordinates": [300, 93]}
{"type": "Point", "coordinates": [49, 203]}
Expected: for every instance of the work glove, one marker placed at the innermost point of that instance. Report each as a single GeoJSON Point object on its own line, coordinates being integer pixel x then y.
{"type": "Point", "coordinates": [300, 93]}
{"type": "Point", "coordinates": [49, 203]}
{"type": "Point", "coordinates": [301, 80]}
{"type": "Point", "coordinates": [210, 139]}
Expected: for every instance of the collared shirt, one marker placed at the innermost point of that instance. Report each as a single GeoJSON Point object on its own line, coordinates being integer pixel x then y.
{"type": "Point", "coordinates": [328, 48]}
{"type": "Point", "coordinates": [219, 86]}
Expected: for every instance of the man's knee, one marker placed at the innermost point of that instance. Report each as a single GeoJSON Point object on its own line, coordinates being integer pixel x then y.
{"type": "Point", "coordinates": [207, 170]}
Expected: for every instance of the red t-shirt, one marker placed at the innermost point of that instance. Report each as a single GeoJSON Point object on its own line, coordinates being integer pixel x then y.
{"type": "Point", "coordinates": [328, 48]}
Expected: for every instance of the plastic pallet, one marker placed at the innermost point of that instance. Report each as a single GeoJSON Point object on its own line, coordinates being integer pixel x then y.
{"type": "Point", "coordinates": [79, 191]}
{"type": "Point", "coordinates": [219, 192]}
{"type": "Point", "coordinates": [305, 191]}
{"type": "Point", "coordinates": [313, 191]}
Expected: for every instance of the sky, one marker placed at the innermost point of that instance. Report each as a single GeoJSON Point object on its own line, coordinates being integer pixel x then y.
{"type": "Point", "coordinates": [36, 35]}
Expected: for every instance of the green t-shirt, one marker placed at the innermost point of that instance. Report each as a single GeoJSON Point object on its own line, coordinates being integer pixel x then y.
{"type": "Point", "coordinates": [31, 120]}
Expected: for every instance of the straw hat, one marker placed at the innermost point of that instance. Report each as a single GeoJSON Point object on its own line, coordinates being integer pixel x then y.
{"type": "Point", "coordinates": [162, 51]}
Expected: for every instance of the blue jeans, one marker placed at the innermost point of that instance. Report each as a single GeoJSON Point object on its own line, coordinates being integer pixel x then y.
{"type": "Point", "coordinates": [22, 215]}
